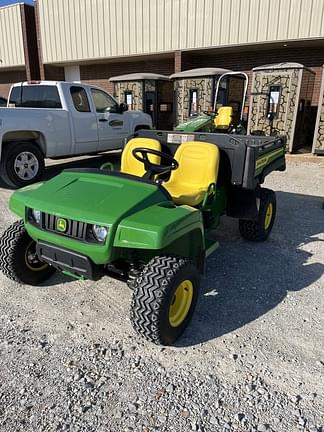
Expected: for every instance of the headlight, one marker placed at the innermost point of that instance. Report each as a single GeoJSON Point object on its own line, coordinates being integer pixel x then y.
{"type": "Point", "coordinates": [100, 232]}
{"type": "Point", "coordinates": [36, 216]}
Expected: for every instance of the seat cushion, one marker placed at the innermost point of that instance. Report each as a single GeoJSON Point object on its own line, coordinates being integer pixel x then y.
{"type": "Point", "coordinates": [185, 195]}
{"type": "Point", "coordinates": [198, 168]}
{"type": "Point", "coordinates": [130, 165]}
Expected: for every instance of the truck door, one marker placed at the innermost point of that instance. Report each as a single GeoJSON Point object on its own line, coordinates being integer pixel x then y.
{"type": "Point", "coordinates": [84, 122]}
{"type": "Point", "coordinates": [112, 126]}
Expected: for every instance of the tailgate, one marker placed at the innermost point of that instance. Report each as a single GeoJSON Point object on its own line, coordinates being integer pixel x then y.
{"type": "Point", "coordinates": [262, 158]}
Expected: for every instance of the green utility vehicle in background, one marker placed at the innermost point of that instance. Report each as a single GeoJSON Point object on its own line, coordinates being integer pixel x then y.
{"type": "Point", "coordinates": [151, 224]}
{"type": "Point", "coordinates": [226, 115]}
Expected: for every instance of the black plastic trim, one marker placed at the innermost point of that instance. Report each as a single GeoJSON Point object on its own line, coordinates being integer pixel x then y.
{"type": "Point", "coordinates": [276, 165]}
{"type": "Point", "coordinates": [67, 260]}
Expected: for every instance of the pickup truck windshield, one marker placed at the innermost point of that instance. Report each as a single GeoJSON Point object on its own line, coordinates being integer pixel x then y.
{"type": "Point", "coordinates": [35, 96]}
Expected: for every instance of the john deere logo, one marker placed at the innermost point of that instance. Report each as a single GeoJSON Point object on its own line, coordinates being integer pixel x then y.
{"type": "Point", "coordinates": [61, 225]}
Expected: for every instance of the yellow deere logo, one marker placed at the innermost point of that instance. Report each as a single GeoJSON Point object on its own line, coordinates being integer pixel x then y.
{"type": "Point", "coordinates": [61, 225]}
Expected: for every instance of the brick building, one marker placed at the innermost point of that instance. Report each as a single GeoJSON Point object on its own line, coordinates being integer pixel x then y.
{"type": "Point", "coordinates": [97, 39]}
{"type": "Point", "coordinates": [93, 40]}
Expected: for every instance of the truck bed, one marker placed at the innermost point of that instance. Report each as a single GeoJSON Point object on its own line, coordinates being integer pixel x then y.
{"type": "Point", "coordinates": [245, 159]}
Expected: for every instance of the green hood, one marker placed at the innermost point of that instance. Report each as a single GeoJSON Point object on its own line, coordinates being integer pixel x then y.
{"type": "Point", "coordinates": [139, 214]}
{"type": "Point", "coordinates": [92, 197]}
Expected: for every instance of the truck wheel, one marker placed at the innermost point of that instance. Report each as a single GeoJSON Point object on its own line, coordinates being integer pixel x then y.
{"type": "Point", "coordinates": [164, 298]}
{"type": "Point", "coordinates": [260, 229]}
{"type": "Point", "coordinates": [18, 259]}
{"type": "Point", "coordinates": [22, 163]}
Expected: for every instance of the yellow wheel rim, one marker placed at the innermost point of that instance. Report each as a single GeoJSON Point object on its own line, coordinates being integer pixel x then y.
{"type": "Point", "coordinates": [268, 216]}
{"type": "Point", "coordinates": [181, 303]}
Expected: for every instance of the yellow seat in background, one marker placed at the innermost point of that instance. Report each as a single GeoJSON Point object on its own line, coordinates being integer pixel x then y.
{"type": "Point", "coordinates": [130, 165]}
{"type": "Point", "coordinates": [223, 119]}
{"type": "Point", "coordinates": [198, 168]}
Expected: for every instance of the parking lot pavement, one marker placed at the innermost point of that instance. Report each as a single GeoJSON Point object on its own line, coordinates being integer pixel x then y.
{"type": "Point", "coordinates": [251, 360]}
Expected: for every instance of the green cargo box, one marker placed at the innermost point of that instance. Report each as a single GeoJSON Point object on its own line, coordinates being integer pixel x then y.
{"type": "Point", "coordinates": [245, 160]}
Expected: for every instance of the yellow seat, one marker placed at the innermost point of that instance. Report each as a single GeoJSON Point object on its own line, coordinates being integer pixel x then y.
{"type": "Point", "coordinates": [223, 119]}
{"type": "Point", "coordinates": [198, 168]}
{"type": "Point", "coordinates": [130, 165]}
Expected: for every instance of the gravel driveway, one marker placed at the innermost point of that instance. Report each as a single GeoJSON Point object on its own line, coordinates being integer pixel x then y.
{"type": "Point", "coordinates": [252, 359]}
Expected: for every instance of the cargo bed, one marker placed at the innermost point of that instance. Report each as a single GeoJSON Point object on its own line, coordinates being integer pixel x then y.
{"type": "Point", "coordinates": [245, 159]}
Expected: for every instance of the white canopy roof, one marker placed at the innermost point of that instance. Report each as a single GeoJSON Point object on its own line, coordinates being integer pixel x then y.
{"type": "Point", "coordinates": [199, 72]}
{"type": "Point", "coordinates": [138, 77]}
{"type": "Point", "coordinates": [284, 65]}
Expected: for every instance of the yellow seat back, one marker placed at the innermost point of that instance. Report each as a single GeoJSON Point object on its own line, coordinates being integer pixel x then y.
{"type": "Point", "coordinates": [223, 119]}
{"type": "Point", "coordinates": [198, 168]}
{"type": "Point", "coordinates": [130, 165]}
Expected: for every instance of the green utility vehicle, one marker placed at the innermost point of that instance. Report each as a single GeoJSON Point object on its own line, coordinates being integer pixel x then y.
{"type": "Point", "coordinates": [226, 115]}
{"type": "Point", "coordinates": [151, 224]}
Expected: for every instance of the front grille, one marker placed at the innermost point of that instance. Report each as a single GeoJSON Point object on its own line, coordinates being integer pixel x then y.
{"type": "Point", "coordinates": [75, 229]}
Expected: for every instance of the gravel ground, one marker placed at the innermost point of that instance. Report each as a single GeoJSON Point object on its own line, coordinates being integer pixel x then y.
{"type": "Point", "coordinates": [252, 359]}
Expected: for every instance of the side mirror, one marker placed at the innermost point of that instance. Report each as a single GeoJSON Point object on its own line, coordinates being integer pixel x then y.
{"type": "Point", "coordinates": [123, 107]}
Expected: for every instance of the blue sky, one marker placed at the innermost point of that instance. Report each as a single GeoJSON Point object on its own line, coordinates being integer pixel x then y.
{"type": "Point", "coordinates": [7, 2]}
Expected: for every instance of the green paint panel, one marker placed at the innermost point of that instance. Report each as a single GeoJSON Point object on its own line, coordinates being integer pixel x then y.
{"type": "Point", "coordinates": [195, 124]}
{"type": "Point", "coordinates": [88, 197]}
{"type": "Point", "coordinates": [157, 226]}
{"type": "Point", "coordinates": [266, 159]}
{"type": "Point", "coordinates": [138, 214]}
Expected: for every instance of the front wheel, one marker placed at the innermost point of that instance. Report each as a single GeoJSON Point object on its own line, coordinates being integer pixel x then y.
{"type": "Point", "coordinates": [164, 298]}
{"type": "Point", "coordinates": [260, 229]}
{"type": "Point", "coordinates": [18, 258]}
{"type": "Point", "coordinates": [22, 163]}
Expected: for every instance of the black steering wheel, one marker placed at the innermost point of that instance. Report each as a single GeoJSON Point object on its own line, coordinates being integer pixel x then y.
{"type": "Point", "coordinates": [141, 154]}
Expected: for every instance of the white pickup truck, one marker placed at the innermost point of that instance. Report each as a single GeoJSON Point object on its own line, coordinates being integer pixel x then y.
{"type": "Point", "coordinates": [49, 119]}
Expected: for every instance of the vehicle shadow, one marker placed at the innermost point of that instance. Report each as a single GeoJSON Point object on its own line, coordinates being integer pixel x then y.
{"type": "Point", "coordinates": [54, 168]}
{"type": "Point", "coordinates": [245, 280]}
{"type": "Point", "coordinates": [91, 162]}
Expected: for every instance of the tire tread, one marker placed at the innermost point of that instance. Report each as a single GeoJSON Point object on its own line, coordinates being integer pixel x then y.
{"type": "Point", "coordinates": [254, 230]}
{"type": "Point", "coordinates": [150, 291]}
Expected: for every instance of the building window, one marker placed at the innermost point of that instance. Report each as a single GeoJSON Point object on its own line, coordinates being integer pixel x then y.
{"type": "Point", "coordinates": [193, 102]}
{"type": "Point", "coordinates": [103, 102]}
{"type": "Point", "coordinates": [80, 99]}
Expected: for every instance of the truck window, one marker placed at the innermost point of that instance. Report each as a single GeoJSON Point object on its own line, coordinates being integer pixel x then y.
{"type": "Point", "coordinates": [103, 102]}
{"type": "Point", "coordinates": [35, 96]}
{"type": "Point", "coordinates": [80, 99]}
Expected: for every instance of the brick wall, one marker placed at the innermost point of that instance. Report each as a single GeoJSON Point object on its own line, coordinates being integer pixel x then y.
{"type": "Point", "coordinates": [9, 77]}
{"type": "Point", "coordinates": [53, 73]}
{"type": "Point", "coordinates": [317, 83]}
{"type": "Point", "coordinates": [39, 42]}
{"type": "Point", "coordinates": [102, 83]}
{"type": "Point", "coordinates": [98, 74]}
{"type": "Point", "coordinates": [246, 60]}
{"type": "Point", "coordinates": [237, 60]}
{"type": "Point", "coordinates": [30, 41]}
{"type": "Point", "coordinates": [177, 61]}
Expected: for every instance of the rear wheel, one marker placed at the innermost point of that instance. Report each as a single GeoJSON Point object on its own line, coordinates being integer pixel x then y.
{"type": "Point", "coordinates": [260, 229]}
{"type": "Point", "coordinates": [164, 298]}
{"type": "Point", "coordinates": [18, 258]}
{"type": "Point", "coordinates": [22, 163]}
